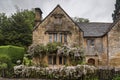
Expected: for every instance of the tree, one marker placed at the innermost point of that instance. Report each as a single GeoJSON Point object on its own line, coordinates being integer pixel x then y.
{"type": "Point", "coordinates": [77, 19]}
{"type": "Point", "coordinates": [18, 28]}
{"type": "Point", "coordinates": [116, 13]}
{"type": "Point", "coordinates": [4, 23]}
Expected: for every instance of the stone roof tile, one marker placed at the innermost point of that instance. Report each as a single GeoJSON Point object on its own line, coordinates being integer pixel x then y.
{"type": "Point", "coordinates": [94, 29]}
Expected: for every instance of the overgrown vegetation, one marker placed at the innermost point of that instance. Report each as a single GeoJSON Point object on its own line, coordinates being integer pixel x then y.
{"type": "Point", "coordinates": [76, 54]}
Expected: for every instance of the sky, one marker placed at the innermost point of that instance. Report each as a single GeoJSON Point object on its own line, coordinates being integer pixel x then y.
{"type": "Point", "coordinates": [94, 10]}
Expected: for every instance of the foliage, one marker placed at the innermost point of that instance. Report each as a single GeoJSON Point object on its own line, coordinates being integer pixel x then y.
{"type": "Point", "coordinates": [5, 65]}
{"type": "Point", "coordinates": [52, 47]}
{"type": "Point", "coordinates": [63, 73]}
{"type": "Point", "coordinates": [14, 52]}
{"type": "Point", "coordinates": [117, 77]}
{"type": "Point", "coordinates": [17, 29]}
{"type": "Point", "coordinates": [5, 61]}
{"type": "Point", "coordinates": [4, 23]}
{"type": "Point", "coordinates": [27, 61]}
{"type": "Point", "coordinates": [116, 13]}
{"type": "Point", "coordinates": [77, 19]}
{"type": "Point", "coordinates": [39, 51]}
{"type": "Point", "coordinates": [76, 54]}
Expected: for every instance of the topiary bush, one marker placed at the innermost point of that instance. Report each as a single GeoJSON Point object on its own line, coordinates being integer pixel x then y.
{"type": "Point", "coordinates": [14, 52]}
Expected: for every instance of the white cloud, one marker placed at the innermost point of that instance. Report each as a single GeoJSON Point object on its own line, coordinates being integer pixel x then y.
{"type": "Point", "coordinates": [94, 10]}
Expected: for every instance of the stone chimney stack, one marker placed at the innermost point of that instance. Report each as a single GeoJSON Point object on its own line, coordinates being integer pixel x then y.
{"type": "Point", "coordinates": [38, 16]}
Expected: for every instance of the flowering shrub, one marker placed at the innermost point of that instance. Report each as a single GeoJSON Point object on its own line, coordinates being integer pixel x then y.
{"type": "Point", "coordinates": [74, 72]}
{"type": "Point", "coordinates": [76, 54]}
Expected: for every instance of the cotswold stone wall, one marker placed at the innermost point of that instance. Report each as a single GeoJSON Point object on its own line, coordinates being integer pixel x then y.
{"type": "Point", "coordinates": [98, 52]}
{"type": "Point", "coordinates": [64, 24]}
{"type": "Point", "coordinates": [114, 40]}
{"type": "Point", "coordinates": [114, 44]}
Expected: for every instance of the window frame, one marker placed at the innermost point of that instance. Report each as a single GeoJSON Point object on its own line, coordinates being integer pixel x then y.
{"type": "Point", "coordinates": [55, 37]}
{"type": "Point", "coordinates": [53, 60]}
{"type": "Point", "coordinates": [65, 38]}
{"type": "Point", "coordinates": [61, 37]}
{"type": "Point", "coordinates": [50, 38]}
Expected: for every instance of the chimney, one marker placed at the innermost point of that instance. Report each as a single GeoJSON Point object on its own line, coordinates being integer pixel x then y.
{"type": "Point", "coordinates": [38, 15]}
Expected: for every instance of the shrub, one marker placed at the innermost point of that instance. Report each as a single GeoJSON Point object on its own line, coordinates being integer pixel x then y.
{"type": "Point", "coordinates": [63, 73]}
{"type": "Point", "coordinates": [5, 66]}
{"type": "Point", "coordinates": [14, 52]}
{"type": "Point", "coordinates": [117, 77]}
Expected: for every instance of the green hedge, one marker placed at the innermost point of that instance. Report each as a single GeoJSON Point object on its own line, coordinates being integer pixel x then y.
{"type": "Point", "coordinates": [14, 52]}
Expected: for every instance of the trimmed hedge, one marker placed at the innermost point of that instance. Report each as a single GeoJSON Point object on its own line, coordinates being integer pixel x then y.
{"type": "Point", "coordinates": [14, 52]}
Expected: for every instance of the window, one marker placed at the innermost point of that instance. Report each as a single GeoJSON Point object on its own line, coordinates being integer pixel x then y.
{"type": "Point", "coordinates": [55, 37]}
{"type": "Point", "coordinates": [91, 42]}
{"type": "Point", "coordinates": [60, 59]}
{"type": "Point", "coordinates": [50, 37]}
{"type": "Point", "coordinates": [64, 60]}
{"type": "Point", "coordinates": [91, 46]}
{"type": "Point", "coordinates": [61, 37]}
{"type": "Point", "coordinates": [49, 59]}
{"type": "Point", "coordinates": [52, 59]}
{"type": "Point", "coordinates": [65, 38]}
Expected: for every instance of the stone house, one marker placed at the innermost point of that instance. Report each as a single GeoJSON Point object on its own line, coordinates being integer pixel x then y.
{"type": "Point", "coordinates": [100, 40]}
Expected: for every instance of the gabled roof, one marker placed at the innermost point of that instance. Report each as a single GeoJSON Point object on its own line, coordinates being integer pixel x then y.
{"type": "Point", "coordinates": [52, 12]}
{"type": "Point", "coordinates": [94, 29]}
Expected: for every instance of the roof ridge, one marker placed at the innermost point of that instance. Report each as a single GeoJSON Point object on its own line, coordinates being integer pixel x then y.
{"type": "Point", "coordinates": [95, 22]}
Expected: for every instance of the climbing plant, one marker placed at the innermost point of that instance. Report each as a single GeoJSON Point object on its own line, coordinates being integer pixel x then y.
{"type": "Point", "coordinates": [76, 54]}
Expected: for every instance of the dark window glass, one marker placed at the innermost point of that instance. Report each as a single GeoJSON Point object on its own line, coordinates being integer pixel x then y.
{"type": "Point", "coordinates": [49, 59]}
{"type": "Point", "coordinates": [60, 59]}
{"type": "Point", "coordinates": [64, 60]}
{"type": "Point", "coordinates": [54, 60]}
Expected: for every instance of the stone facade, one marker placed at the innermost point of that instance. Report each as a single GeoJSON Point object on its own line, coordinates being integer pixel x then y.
{"type": "Point", "coordinates": [57, 22]}
{"type": "Point", "coordinates": [114, 44]}
{"type": "Point", "coordinates": [97, 50]}
{"type": "Point", "coordinates": [100, 41]}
